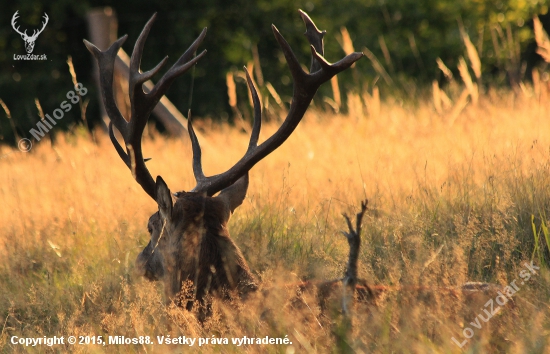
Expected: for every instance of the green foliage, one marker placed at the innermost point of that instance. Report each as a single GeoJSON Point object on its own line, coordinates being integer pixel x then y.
{"type": "Point", "coordinates": [538, 250]}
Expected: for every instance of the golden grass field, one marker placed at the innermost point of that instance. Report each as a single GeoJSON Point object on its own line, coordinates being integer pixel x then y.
{"type": "Point", "coordinates": [451, 197]}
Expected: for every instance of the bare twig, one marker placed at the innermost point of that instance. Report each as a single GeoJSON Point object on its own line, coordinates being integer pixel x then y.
{"type": "Point", "coordinates": [354, 240]}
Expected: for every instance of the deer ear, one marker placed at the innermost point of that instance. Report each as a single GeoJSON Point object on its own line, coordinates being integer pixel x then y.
{"type": "Point", "coordinates": [234, 195]}
{"type": "Point", "coordinates": [164, 200]}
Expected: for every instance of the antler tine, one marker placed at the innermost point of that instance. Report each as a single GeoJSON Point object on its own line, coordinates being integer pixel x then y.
{"type": "Point", "coordinates": [257, 125]}
{"type": "Point", "coordinates": [315, 37]}
{"type": "Point", "coordinates": [197, 154]}
{"type": "Point", "coordinates": [140, 103]}
{"type": "Point", "coordinates": [184, 63]}
{"type": "Point", "coordinates": [117, 146]}
{"type": "Point", "coordinates": [252, 145]}
{"type": "Point", "coordinates": [305, 87]}
{"type": "Point", "coordinates": [329, 70]}
{"type": "Point", "coordinates": [291, 60]}
{"type": "Point", "coordinates": [106, 63]}
{"type": "Point", "coordinates": [143, 103]}
{"type": "Point", "coordinates": [136, 77]}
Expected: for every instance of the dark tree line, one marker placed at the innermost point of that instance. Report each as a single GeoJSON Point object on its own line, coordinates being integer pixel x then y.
{"type": "Point", "coordinates": [406, 36]}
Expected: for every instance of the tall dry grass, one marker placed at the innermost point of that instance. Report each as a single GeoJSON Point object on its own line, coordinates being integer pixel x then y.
{"type": "Point", "coordinates": [451, 196]}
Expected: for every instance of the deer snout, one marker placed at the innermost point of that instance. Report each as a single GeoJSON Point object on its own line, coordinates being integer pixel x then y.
{"type": "Point", "coordinates": [149, 264]}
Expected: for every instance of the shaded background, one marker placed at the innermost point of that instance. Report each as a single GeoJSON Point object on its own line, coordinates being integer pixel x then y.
{"type": "Point", "coordinates": [415, 34]}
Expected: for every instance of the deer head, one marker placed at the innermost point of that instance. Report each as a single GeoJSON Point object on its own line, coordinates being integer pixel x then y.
{"type": "Point", "coordinates": [29, 40]}
{"type": "Point", "coordinates": [189, 236]}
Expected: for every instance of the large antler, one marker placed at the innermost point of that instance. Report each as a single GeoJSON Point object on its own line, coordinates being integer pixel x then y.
{"type": "Point", "coordinates": [305, 87]}
{"type": "Point", "coordinates": [141, 103]}
{"type": "Point", "coordinates": [35, 33]}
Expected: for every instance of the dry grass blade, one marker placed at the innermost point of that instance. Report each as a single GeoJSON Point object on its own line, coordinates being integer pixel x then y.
{"type": "Point", "coordinates": [465, 75]}
{"type": "Point", "coordinates": [432, 257]}
{"type": "Point", "coordinates": [416, 52]}
{"type": "Point", "coordinates": [71, 70]}
{"type": "Point", "coordinates": [513, 44]}
{"type": "Point", "coordinates": [373, 102]}
{"type": "Point", "coordinates": [471, 51]}
{"type": "Point", "coordinates": [8, 115]}
{"type": "Point", "coordinates": [436, 97]}
{"type": "Point", "coordinates": [332, 104]}
{"type": "Point", "coordinates": [336, 92]}
{"type": "Point", "coordinates": [440, 98]}
{"type": "Point", "coordinates": [447, 103]}
{"type": "Point", "coordinates": [497, 37]}
{"type": "Point", "coordinates": [355, 105]}
{"type": "Point", "coordinates": [459, 106]}
{"type": "Point", "coordinates": [536, 82]}
{"type": "Point", "coordinates": [231, 89]}
{"type": "Point", "coordinates": [6, 109]}
{"type": "Point", "coordinates": [257, 66]}
{"type": "Point", "coordinates": [274, 94]}
{"type": "Point", "coordinates": [83, 105]}
{"type": "Point", "coordinates": [43, 119]}
{"type": "Point", "coordinates": [446, 71]}
{"type": "Point", "coordinates": [304, 341]}
{"type": "Point", "coordinates": [346, 43]}
{"type": "Point", "coordinates": [377, 66]}
{"type": "Point", "coordinates": [386, 52]}
{"type": "Point", "coordinates": [232, 94]}
{"type": "Point", "coordinates": [472, 55]}
{"type": "Point", "coordinates": [40, 110]}
{"type": "Point", "coordinates": [541, 37]}
{"type": "Point", "coordinates": [55, 248]}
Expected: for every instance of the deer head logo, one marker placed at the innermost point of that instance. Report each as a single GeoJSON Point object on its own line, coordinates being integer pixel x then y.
{"type": "Point", "coordinates": [29, 40]}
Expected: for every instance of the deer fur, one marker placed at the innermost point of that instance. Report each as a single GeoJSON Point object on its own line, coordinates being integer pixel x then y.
{"type": "Point", "coordinates": [190, 242]}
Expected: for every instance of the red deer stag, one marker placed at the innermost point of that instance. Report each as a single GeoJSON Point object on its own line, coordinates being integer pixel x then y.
{"type": "Point", "coordinates": [189, 236]}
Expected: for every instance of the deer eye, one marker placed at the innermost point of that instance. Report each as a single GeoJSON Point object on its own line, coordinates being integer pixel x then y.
{"type": "Point", "coordinates": [150, 229]}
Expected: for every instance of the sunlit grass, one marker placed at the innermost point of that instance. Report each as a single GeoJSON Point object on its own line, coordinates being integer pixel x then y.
{"type": "Point", "coordinates": [450, 201]}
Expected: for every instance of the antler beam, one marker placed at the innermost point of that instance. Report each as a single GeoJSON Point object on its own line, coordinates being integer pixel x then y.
{"type": "Point", "coordinates": [305, 87]}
